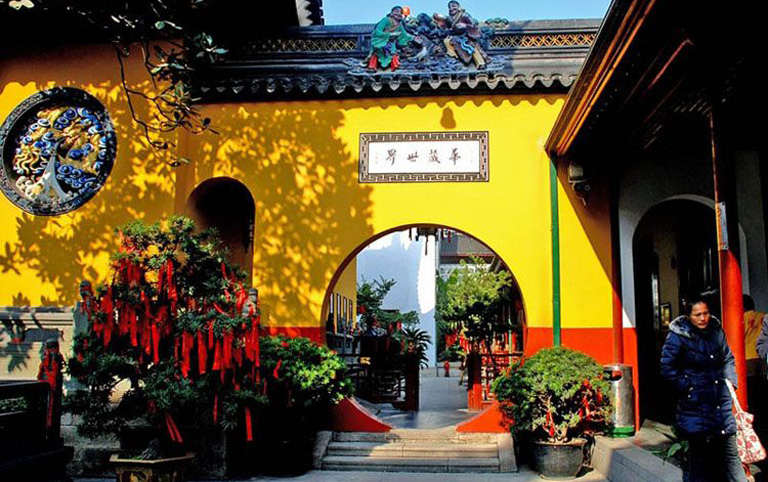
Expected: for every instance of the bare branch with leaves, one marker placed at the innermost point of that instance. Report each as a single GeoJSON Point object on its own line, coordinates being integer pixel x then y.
{"type": "Point", "coordinates": [171, 45]}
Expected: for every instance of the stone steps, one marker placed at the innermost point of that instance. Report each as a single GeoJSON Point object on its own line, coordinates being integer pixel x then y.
{"type": "Point", "coordinates": [407, 464]}
{"type": "Point", "coordinates": [409, 450]}
{"type": "Point", "coordinates": [413, 450]}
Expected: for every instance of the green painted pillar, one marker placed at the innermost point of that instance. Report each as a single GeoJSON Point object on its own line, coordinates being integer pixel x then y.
{"type": "Point", "coordinates": [556, 341]}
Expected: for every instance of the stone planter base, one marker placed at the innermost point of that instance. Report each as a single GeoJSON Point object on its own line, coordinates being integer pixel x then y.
{"type": "Point", "coordinates": [559, 461]}
{"type": "Point", "coordinates": [172, 469]}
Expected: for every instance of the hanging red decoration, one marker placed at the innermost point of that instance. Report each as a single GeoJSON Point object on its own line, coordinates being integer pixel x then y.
{"type": "Point", "coordinates": [152, 310]}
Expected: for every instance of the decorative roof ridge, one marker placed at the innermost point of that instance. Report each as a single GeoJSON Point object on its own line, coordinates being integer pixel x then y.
{"type": "Point", "coordinates": [318, 60]}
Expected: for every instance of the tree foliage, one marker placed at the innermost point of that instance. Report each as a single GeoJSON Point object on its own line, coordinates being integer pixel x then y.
{"type": "Point", "coordinates": [555, 395]}
{"type": "Point", "coordinates": [174, 337]}
{"type": "Point", "coordinates": [470, 301]}
{"type": "Point", "coordinates": [415, 341]}
{"type": "Point", "coordinates": [171, 44]}
{"type": "Point", "coordinates": [370, 297]}
{"type": "Point", "coordinates": [172, 301]}
{"type": "Point", "coordinates": [303, 376]}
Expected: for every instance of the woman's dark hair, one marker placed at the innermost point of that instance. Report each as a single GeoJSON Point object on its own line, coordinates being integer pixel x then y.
{"type": "Point", "coordinates": [693, 302]}
{"type": "Point", "coordinates": [749, 303]}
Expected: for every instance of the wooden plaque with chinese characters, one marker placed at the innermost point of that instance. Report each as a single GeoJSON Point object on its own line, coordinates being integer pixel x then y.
{"type": "Point", "coordinates": [424, 157]}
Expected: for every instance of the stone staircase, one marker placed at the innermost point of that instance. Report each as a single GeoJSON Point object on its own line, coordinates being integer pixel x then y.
{"type": "Point", "coordinates": [416, 450]}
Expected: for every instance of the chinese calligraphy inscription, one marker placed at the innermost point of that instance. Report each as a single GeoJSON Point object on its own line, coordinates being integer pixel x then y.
{"type": "Point", "coordinates": [424, 157]}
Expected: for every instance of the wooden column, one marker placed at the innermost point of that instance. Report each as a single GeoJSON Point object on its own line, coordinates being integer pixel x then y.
{"type": "Point", "coordinates": [412, 382]}
{"type": "Point", "coordinates": [728, 244]}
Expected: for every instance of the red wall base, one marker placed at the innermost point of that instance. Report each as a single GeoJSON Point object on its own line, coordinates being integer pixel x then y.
{"type": "Point", "coordinates": [350, 416]}
{"type": "Point", "coordinates": [314, 333]}
{"type": "Point", "coordinates": [490, 420]}
{"type": "Point", "coordinates": [597, 343]}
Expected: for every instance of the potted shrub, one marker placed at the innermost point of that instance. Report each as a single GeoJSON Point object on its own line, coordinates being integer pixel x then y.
{"type": "Point", "coordinates": [302, 380]}
{"type": "Point", "coordinates": [556, 397]}
{"type": "Point", "coordinates": [172, 345]}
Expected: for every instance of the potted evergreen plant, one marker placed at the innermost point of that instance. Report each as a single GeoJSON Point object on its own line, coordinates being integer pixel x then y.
{"type": "Point", "coordinates": [301, 380]}
{"type": "Point", "coordinates": [171, 348]}
{"type": "Point", "coordinates": [556, 397]}
{"type": "Point", "coordinates": [172, 352]}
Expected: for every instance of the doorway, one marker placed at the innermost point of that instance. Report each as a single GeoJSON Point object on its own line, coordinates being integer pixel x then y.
{"type": "Point", "coordinates": [675, 258]}
{"type": "Point", "coordinates": [226, 195]}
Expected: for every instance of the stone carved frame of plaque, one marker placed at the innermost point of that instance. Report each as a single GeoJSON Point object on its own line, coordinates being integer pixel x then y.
{"type": "Point", "coordinates": [475, 170]}
{"type": "Point", "coordinates": [57, 149]}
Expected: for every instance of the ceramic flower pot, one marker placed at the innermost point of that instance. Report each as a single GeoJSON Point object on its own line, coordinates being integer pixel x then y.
{"type": "Point", "coordinates": [559, 461]}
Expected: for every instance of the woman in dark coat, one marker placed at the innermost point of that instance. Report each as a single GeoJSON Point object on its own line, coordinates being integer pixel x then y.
{"type": "Point", "coordinates": [696, 360]}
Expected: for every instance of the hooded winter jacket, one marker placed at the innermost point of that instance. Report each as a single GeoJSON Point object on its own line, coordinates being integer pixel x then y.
{"type": "Point", "coordinates": [697, 362]}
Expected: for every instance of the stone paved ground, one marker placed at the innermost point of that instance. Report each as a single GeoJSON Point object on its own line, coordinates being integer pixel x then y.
{"type": "Point", "coordinates": [525, 475]}
{"type": "Point", "coordinates": [443, 402]}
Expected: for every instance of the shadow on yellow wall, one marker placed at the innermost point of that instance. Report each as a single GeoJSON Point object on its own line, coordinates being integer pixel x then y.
{"type": "Point", "coordinates": [299, 160]}
{"type": "Point", "coordinates": [304, 183]}
{"type": "Point", "coordinates": [43, 259]}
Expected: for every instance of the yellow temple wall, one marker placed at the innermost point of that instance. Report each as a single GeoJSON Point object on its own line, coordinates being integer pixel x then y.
{"type": "Point", "coordinates": [299, 160]}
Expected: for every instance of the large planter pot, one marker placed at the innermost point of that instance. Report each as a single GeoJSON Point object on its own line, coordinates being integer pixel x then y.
{"type": "Point", "coordinates": [559, 461]}
{"type": "Point", "coordinates": [172, 469]}
{"type": "Point", "coordinates": [286, 456]}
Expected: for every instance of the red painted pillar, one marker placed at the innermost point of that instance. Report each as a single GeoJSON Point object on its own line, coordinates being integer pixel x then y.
{"type": "Point", "coordinates": [728, 243]}
{"type": "Point", "coordinates": [474, 381]}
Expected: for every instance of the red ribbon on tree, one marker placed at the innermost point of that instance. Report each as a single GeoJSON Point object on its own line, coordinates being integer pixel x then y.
{"type": "Point", "coordinates": [155, 343]}
{"type": "Point", "coordinates": [173, 431]}
{"type": "Point", "coordinates": [248, 425]}
{"type": "Point", "coordinates": [202, 352]}
{"type": "Point", "coordinates": [551, 424]}
{"type": "Point", "coordinates": [50, 372]}
{"type": "Point", "coordinates": [187, 341]}
{"type": "Point", "coordinates": [227, 360]}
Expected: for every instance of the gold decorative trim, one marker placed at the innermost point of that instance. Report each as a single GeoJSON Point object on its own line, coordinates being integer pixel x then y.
{"type": "Point", "coordinates": [543, 40]}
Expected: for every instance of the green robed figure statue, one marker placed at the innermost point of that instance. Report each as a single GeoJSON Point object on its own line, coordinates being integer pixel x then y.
{"type": "Point", "coordinates": [387, 37]}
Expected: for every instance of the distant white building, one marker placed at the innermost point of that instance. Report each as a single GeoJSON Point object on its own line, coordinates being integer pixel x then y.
{"type": "Point", "coordinates": [412, 263]}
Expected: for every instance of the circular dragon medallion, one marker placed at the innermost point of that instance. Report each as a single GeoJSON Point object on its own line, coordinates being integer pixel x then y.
{"type": "Point", "coordinates": [57, 148]}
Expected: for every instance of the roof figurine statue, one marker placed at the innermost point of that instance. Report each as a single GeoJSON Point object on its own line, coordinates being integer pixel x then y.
{"type": "Point", "coordinates": [387, 38]}
{"type": "Point", "coordinates": [464, 36]}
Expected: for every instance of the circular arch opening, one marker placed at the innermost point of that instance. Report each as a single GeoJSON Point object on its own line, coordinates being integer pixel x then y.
{"type": "Point", "coordinates": [333, 305]}
{"type": "Point", "coordinates": [218, 195]}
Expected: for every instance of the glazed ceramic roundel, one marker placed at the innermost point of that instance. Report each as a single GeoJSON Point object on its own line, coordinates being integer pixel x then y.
{"type": "Point", "coordinates": [57, 148]}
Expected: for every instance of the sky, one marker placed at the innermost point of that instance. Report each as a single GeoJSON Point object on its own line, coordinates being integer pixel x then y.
{"type": "Point", "coordinates": [340, 12]}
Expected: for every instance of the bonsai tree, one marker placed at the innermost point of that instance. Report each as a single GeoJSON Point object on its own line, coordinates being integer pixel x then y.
{"type": "Point", "coordinates": [174, 331]}
{"type": "Point", "coordinates": [301, 378]}
{"type": "Point", "coordinates": [555, 395]}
